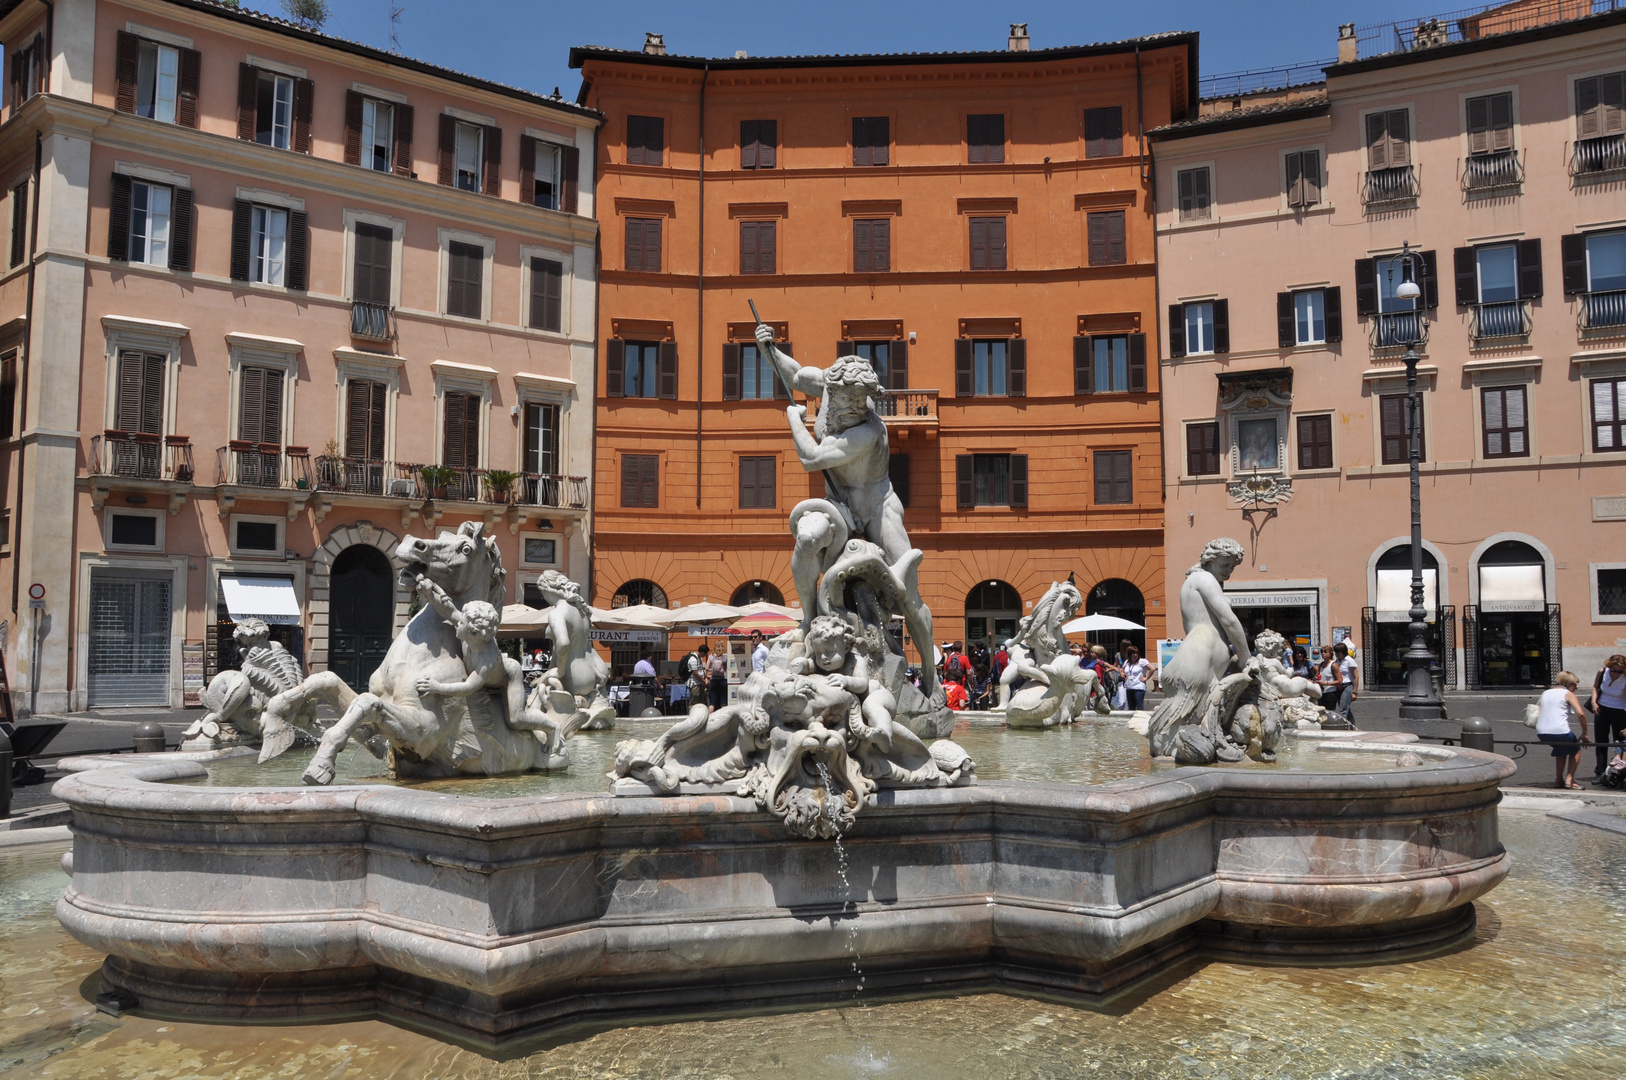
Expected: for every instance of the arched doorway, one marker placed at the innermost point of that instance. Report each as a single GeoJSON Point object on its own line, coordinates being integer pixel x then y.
{"type": "Point", "coordinates": [1120, 599]}
{"type": "Point", "coordinates": [1389, 633]}
{"type": "Point", "coordinates": [639, 591]}
{"type": "Point", "coordinates": [361, 605]}
{"type": "Point", "coordinates": [757, 592]}
{"type": "Point", "coordinates": [1514, 629]}
{"type": "Point", "coordinates": [992, 610]}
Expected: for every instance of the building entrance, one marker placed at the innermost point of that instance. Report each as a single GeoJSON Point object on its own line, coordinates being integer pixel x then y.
{"type": "Point", "coordinates": [129, 638]}
{"type": "Point", "coordinates": [1387, 633]}
{"type": "Point", "coordinates": [1121, 599]}
{"type": "Point", "coordinates": [361, 603]}
{"type": "Point", "coordinates": [1515, 631]}
{"type": "Point", "coordinates": [992, 611]}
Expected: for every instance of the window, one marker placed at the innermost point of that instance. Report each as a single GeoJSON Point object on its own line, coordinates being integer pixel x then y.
{"type": "Point", "coordinates": [1303, 178]}
{"type": "Point", "coordinates": [140, 395]}
{"type": "Point", "coordinates": [872, 140]}
{"type": "Point", "coordinates": [1388, 140]}
{"type": "Point", "coordinates": [465, 278]}
{"type": "Point", "coordinates": [542, 440]}
{"type": "Point", "coordinates": [991, 480]}
{"type": "Point", "coordinates": [26, 70]}
{"type": "Point", "coordinates": [371, 271]}
{"type": "Point", "coordinates": [985, 137]}
{"type": "Point", "coordinates": [157, 81]}
{"type": "Point", "coordinates": [1498, 273]}
{"type": "Point", "coordinates": [1506, 434]}
{"type": "Point", "coordinates": [149, 222]}
{"type": "Point", "coordinates": [1315, 442]}
{"type": "Point", "coordinates": [1605, 262]}
{"type": "Point", "coordinates": [1608, 415]}
{"type": "Point", "coordinates": [19, 223]}
{"type": "Point", "coordinates": [467, 157]}
{"type": "Point", "coordinates": [1199, 328]}
{"type": "Point", "coordinates": [133, 531]}
{"type": "Point", "coordinates": [1112, 479]}
{"type": "Point", "coordinates": [259, 405]}
{"type": "Point", "coordinates": [1258, 444]}
{"type": "Point", "coordinates": [1106, 238]}
{"type": "Point", "coordinates": [460, 437]}
{"type": "Point", "coordinates": [258, 537]}
{"type": "Point", "coordinates": [1600, 105]}
{"type": "Point", "coordinates": [1611, 588]}
{"type": "Point", "coordinates": [643, 244]}
{"type": "Point", "coordinates": [1104, 132]}
{"type": "Point", "coordinates": [987, 243]}
{"type": "Point", "coordinates": [642, 369]}
{"type": "Point", "coordinates": [1393, 431]}
{"type": "Point", "coordinates": [642, 365]}
{"type": "Point", "coordinates": [540, 551]}
{"type": "Point", "coordinates": [646, 140]}
{"type": "Point", "coordinates": [377, 127]}
{"type": "Point", "coordinates": [274, 111]}
{"type": "Point", "coordinates": [269, 245]}
{"type": "Point", "coordinates": [1113, 363]}
{"type": "Point", "coordinates": [897, 473]}
{"type": "Point", "coordinates": [365, 403]}
{"type": "Point", "coordinates": [759, 143]}
{"type": "Point", "coordinates": [1194, 188]}
{"type": "Point", "coordinates": [640, 480]}
{"type": "Point", "coordinates": [1391, 273]}
{"type": "Point", "coordinates": [758, 379]}
{"type": "Point", "coordinates": [1202, 449]}
{"type": "Point", "coordinates": [758, 241]}
{"type": "Point", "coordinates": [1309, 317]}
{"type": "Point", "coordinates": [880, 357]}
{"type": "Point", "coordinates": [8, 394]}
{"type": "Point", "coordinates": [1490, 124]}
{"type": "Point", "coordinates": [758, 482]}
{"type": "Point", "coordinates": [872, 245]}
{"type": "Point", "coordinates": [547, 294]}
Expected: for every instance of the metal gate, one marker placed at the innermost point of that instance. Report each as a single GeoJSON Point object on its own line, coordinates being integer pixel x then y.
{"type": "Point", "coordinates": [1555, 647]}
{"type": "Point", "coordinates": [1470, 646]}
{"type": "Point", "coordinates": [129, 640]}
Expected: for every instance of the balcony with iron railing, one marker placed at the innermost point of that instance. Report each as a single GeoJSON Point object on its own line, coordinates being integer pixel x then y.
{"type": "Point", "coordinates": [899, 408]}
{"type": "Point", "coordinates": [1468, 24]}
{"type": "Point", "coordinates": [1488, 174]}
{"type": "Point", "coordinates": [550, 490]}
{"type": "Point", "coordinates": [1389, 188]}
{"type": "Point", "coordinates": [366, 476]}
{"type": "Point", "coordinates": [1603, 310]}
{"type": "Point", "coordinates": [371, 322]}
{"type": "Point", "coordinates": [1398, 329]}
{"type": "Point", "coordinates": [262, 465]}
{"type": "Point", "coordinates": [405, 480]}
{"type": "Point", "coordinates": [1499, 322]}
{"type": "Point", "coordinates": [1600, 157]}
{"type": "Point", "coordinates": [137, 455]}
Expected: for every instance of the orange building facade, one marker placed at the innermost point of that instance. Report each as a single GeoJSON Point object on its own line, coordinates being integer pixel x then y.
{"type": "Point", "coordinates": [976, 224]}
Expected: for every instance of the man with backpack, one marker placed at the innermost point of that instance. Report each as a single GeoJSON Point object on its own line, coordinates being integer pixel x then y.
{"type": "Point", "coordinates": [955, 665]}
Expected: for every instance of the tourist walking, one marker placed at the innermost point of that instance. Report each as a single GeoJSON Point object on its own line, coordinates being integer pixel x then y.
{"type": "Point", "coordinates": [717, 684]}
{"type": "Point", "coordinates": [1349, 675]}
{"type": "Point", "coordinates": [645, 666]}
{"type": "Point", "coordinates": [1302, 668]}
{"type": "Point", "coordinates": [1136, 672]}
{"type": "Point", "coordinates": [1330, 678]}
{"type": "Point", "coordinates": [1553, 727]}
{"type": "Point", "coordinates": [979, 684]}
{"type": "Point", "coordinates": [759, 652]}
{"type": "Point", "coordinates": [1608, 707]}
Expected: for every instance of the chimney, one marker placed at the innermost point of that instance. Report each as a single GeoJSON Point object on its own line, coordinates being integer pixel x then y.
{"type": "Point", "coordinates": [655, 44]}
{"type": "Point", "coordinates": [1019, 41]}
{"type": "Point", "coordinates": [1348, 48]}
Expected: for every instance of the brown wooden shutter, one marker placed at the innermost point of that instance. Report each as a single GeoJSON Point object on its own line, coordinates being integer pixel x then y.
{"type": "Point", "coordinates": [374, 256]}
{"type": "Point", "coordinates": [979, 243]}
{"type": "Point", "coordinates": [299, 251]}
{"type": "Point", "coordinates": [898, 366]}
{"type": "Point", "coordinates": [862, 246]}
{"type": "Point", "coordinates": [19, 225]}
{"type": "Point", "coordinates": [768, 247]}
{"type": "Point", "coordinates": [1019, 481]}
{"type": "Point", "coordinates": [1431, 280]}
{"type": "Point", "coordinates": [779, 389]}
{"type": "Point", "coordinates": [1587, 115]}
{"type": "Point", "coordinates": [666, 372]}
{"type": "Point", "coordinates": [547, 294]}
{"type": "Point", "coordinates": [1366, 287]}
{"type": "Point", "coordinates": [491, 161]}
{"type": "Point", "coordinates": [527, 169]}
{"type": "Point", "coordinates": [1467, 274]}
{"type": "Point", "coordinates": [1571, 252]}
{"type": "Point", "coordinates": [965, 481]}
{"type": "Point", "coordinates": [632, 255]}
{"type": "Point", "coordinates": [448, 150]}
{"type": "Point", "coordinates": [140, 406]}
{"type": "Point", "coordinates": [1137, 363]}
{"type": "Point", "coordinates": [1202, 449]}
{"type": "Point", "coordinates": [403, 140]}
{"type": "Point", "coordinates": [861, 148]}
{"type": "Point", "coordinates": [118, 222]}
{"type": "Point", "coordinates": [1104, 132]}
{"type": "Point", "coordinates": [1287, 332]}
{"type": "Point", "coordinates": [126, 70]}
{"type": "Point", "coordinates": [260, 405]}
{"type": "Point", "coordinates": [1177, 331]}
{"type": "Point", "coordinates": [748, 483]}
{"type": "Point", "coordinates": [881, 140]}
{"type": "Point", "coordinates": [1222, 326]}
{"type": "Point", "coordinates": [1529, 269]}
{"type": "Point", "coordinates": [353, 119]}
{"type": "Point", "coordinates": [1332, 305]}
{"type": "Point", "coordinates": [880, 235]}
{"type": "Point", "coordinates": [652, 245]}
{"type": "Point", "coordinates": [304, 102]}
{"type": "Point", "coordinates": [570, 165]}
{"type": "Point", "coordinates": [1392, 428]}
{"type": "Point", "coordinates": [615, 368]}
{"type": "Point", "coordinates": [767, 144]}
{"type": "Point", "coordinates": [1311, 176]}
{"type": "Point", "coordinates": [248, 92]}
{"type": "Point", "coordinates": [182, 228]}
{"type": "Point", "coordinates": [897, 471]}
{"type": "Point", "coordinates": [996, 243]}
{"type": "Point", "coordinates": [1295, 179]}
{"type": "Point", "coordinates": [364, 420]}
{"type": "Point", "coordinates": [748, 247]}
{"type": "Point", "coordinates": [242, 226]}
{"type": "Point", "coordinates": [963, 386]}
{"type": "Point", "coordinates": [454, 430]}
{"type": "Point", "coordinates": [1083, 370]}
{"type": "Point", "coordinates": [1479, 125]}
{"type": "Point", "coordinates": [1398, 123]}
{"type": "Point", "coordinates": [186, 98]}
{"type": "Point", "coordinates": [731, 371]}
{"type": "Point", "coordinates": [748, 144]}
{"type": "Point", "coordinates": [1016, 368]}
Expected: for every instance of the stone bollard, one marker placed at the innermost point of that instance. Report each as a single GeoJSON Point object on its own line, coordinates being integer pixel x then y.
{"type": "Point", "coordinates": [1477, 735]}
{"type": "Point", "coordinates": [149, 738]}
{"type": "Point", "coordinates": [5, 775]}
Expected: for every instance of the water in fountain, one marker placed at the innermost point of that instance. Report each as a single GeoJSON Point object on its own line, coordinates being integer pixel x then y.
{"type": "Point", "coordinates": [864, 1058]}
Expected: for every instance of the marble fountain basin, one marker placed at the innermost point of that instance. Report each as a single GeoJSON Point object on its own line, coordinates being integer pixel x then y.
{"type": "Point", "coordinates": [489, 920]}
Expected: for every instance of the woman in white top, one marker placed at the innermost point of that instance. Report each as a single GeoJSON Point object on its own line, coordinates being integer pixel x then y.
{"type": "Point", "coordinates": [1608, 708]}
{"type": "Point", "coordinates": [1136, 671]}
{"type": "Point", "coordinates": [1553, 727]}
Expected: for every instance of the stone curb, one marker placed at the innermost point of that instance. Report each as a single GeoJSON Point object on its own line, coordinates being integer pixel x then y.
{"type": "Point", "coordinates": [51, 834]}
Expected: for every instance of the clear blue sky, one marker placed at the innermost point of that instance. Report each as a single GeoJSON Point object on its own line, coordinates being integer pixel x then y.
{"type": "Point", "coordinates": [527, 44]}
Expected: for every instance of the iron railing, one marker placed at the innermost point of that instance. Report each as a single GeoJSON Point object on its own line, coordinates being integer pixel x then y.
{"type": "Point", "coordinates": [1603, 309]}
{"type": "Point", "coordinates": [550, 489]}
{"type": "Point", "coordinates": [365, 476]}
{"type": "Point", "coordinates": [1397, 329]}
{"type": "Point", "coordinates": [137, 455]}
{"type": "Point", "coordinates": [1389, 187]}
{"type": "Point", "coordinates": [267, 465]}
{"type": "Point", "coordinates": [1505, 319]}
{"type": "Point", "coordinates": [1241, 83]}
{"type": "Point", "coordinates": [1602, 156]}
{"type": "Point", "coordinates": [1467, 24]}
{"type": "Point", "coordinates": [370, 321]}
{"type": "Point", "coordinates": [406, 480]}
{"type": "Point", "coordinates": [899, 407]}
{"type": "Point", "coordinates": [1483, 174]}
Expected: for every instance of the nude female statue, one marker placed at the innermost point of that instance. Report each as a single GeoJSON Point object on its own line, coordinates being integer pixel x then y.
{"type": "Point", "coordinates": [1212, 632]}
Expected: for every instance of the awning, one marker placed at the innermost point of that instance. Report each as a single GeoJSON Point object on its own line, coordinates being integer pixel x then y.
{"type": "Point", "coordinates": [1512, 588]}
{"type": "Point", "coordinates": [1394, 595]}
{"type": "Point", "coordinates": [268, 598]}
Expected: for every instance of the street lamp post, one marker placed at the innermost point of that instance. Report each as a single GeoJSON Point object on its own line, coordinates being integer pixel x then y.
{"type": "Point", "coordinates": [1422, 699]}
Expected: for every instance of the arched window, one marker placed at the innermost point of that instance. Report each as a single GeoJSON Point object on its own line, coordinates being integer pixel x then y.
{"type": "Point", "coordinates": [639, 591]}
{"type": "Point", "coordinates": [757, 592]}
{"type": "Point", "coordinates": [992, 610]}
{"type": "Point", "coordinates": [1121, 599]}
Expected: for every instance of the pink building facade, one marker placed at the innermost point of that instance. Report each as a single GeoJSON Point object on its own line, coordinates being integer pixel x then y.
{"type": "Point", "coordinates": [1500, 158]}
{"type": "Point", "coordinates": [258, 280]}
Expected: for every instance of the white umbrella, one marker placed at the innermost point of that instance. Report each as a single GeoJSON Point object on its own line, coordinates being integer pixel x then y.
{"type": "Point", "coordinates": [704, 612]}
{"type": "Point", "coordinates": [1088, 623]}
{"type": "Point", "coordinates": [521, 617]}
{"type": "Point", "coordinates": [646, 614]}
{"type": "Point", "coordinates": [759, 606]}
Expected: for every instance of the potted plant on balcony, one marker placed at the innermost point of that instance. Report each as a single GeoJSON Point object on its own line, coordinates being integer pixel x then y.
{"type": "Point", "coordinates": [499, 482]}
{"type": "Point", "coordinates": [435, 479]}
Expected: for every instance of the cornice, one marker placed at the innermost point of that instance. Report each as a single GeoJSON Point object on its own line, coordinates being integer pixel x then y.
{"type": "Point", "coordinates": [1129, 163]}
{"type": "Point", "coordinates": [685, 280]}
{"type": "Point", "coordinates": [1175, 145]}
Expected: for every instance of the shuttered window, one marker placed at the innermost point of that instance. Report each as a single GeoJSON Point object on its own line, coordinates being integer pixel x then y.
{"type": "Point", "coordinates": [156, 81]}
{"type": "Point", "coordinates": [987, 243]}
{"type": "Point", "coordinates": [375, 246]}
{"type": "Point", "coordinates": [466, 157]}
{"type": "Point", "coordinates": [1315, 442]}
{"type": "Point", "coordinates": [364, 419]}
{"type": "Point", "coordinates": [465, 273]}
{"type": "Point", "coordinates": [985, 138]}
{"type": "Point", "coordinates": [991, 480]}
{"type": "Point", "coordinates": [259, 406]}
{"type": "Point", "coordinates": [1303, 178]}
{"type": "Point", "coordinates": [758, 486]}
{"type": "Point", "coordinates": [640, 480]}
{"type": "Point", "coordinates": [542, 438]}
{"type": "Point", "coordinates": [646, 140]}
{"type": "Point", "coordinates": [759, 144]}
{"type": "Point", "coordinates": [8, 396]}
{"type": "Point", "coordinates": [872, 245]}
{"type": "Point", "coordinates": [541, 177]}
{"type": "Point", "coordinates": [1388, 139]}
{"type": "Point", "coordinates": [1490, 124]}
{"type": "Point", "coordinates": [149, 218]}
{"type": "Point", "coordinates": [897, 471]}
{"type": "Point", "coordinates": [460, 441]}
{"type": "Point", "coordinates": [1194, 189]}
{"type": "Point", "coordinates": [643, 244]}
{"type": "Point", "coordinates": [1104, 132]}
{"type": "Point", "coordinates": [19, 223]}
{"type": "Point", "coordinates": [1106, 238]}
{"type": "Point", "coordinates": [1506, 430]}
{"type": "Point", "coordinates": [547, 294]}
{"type": "Point", "coordinates": [1600, 105]}
{"type": "Point", "coordinates": [1202, 449]}
{"type": "Point", "coordinates": [872, 140]}
{"type": "Point", "coordinates": [758, 246]}
{"type": "Point", "coordinates": [1112, 477]}
{"type": "Point", "coordinates": [281, 109]}
{"type": "Point", "coordinates": [141, 393]}
{"type": "Point", "coordinates": [991, 368]}
{"type": "Point", "coordinates": [1608, 415]}
{"type": "Point", "coordinates": [1392, 430]}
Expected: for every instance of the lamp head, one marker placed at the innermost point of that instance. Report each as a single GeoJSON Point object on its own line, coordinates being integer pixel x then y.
{"type": "Point", "coordinates": [1407, 290]}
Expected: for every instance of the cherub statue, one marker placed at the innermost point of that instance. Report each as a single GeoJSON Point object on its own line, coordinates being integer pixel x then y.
{"type": "Point", "coordinates": [235, 699]}
{"type": "Point", "coordinates": [843, 657]}
{"type": "Point", "coordinates": [1296, 695]}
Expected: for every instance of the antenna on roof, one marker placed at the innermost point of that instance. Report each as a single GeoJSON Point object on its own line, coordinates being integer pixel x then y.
{"type": "Point", "coordinates": [395, 26]}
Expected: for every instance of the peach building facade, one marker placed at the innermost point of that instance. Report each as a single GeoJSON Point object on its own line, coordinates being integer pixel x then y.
{"type": "Point", "coordinates": [975, 224]}
{"type": "Point", "coordinates": [258, 279]}
{"type": "Point", "coordinates": [1500, 157]}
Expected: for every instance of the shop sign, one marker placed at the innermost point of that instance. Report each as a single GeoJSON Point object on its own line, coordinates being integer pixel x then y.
{"type": "Point", "coordinates": [1609, 508]}
{"type": "Point", "coordinates": [613, 637]}
{"type": "Point", "coordinates": [1271, 599]}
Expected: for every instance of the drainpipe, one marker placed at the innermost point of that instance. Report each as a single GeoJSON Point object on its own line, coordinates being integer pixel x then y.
{"type": "Point", "coordinates": [700, 308]}
{"type": "Point", "coordinates": [22, 379]}
{"type": "Point", "coordinates": [598, 308]}
{"type": "Point", "coordinates": [1149, 185]}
